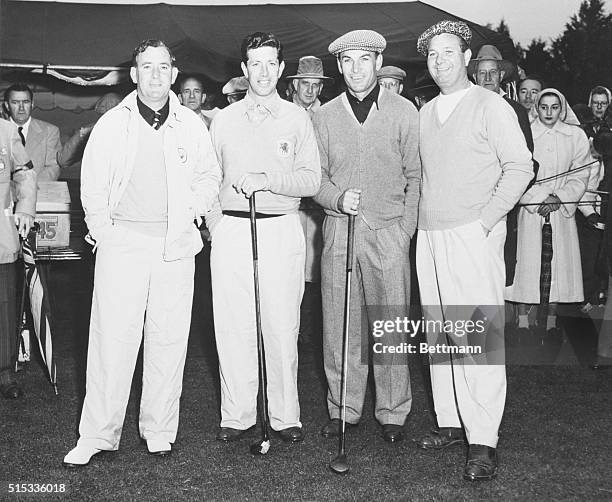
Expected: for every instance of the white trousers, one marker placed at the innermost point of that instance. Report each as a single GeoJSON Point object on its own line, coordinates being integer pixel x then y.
{"type": "Point", "coordinates": [134, 288]}
{"type": "Point", "coordinates": [281, 286]}
{"type": "Point", "coordinates": [462, 267]}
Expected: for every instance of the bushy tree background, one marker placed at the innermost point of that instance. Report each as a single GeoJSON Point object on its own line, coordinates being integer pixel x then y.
{"type": "Point", "coordinates": [578, 59]}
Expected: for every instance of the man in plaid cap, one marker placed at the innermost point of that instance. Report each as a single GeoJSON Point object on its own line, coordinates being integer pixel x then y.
{"type": "Point", "coordinates": [476, 165]}
{"type": "Point", "coordinates": [368, 142]}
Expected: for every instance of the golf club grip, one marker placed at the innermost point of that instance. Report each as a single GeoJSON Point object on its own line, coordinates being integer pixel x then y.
{"type": "Point", "coordinates": [253, 220]}
{"type": "Point", "coordinates": [351, 242]}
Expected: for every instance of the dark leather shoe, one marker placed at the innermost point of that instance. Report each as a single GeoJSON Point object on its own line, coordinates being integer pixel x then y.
{"type": "Point", "coordinates": [481, 463]}
{"type": "Point", "coordinates": [161, 453]}
{"type": "Point", "coordinates": [393, 433]}
{"type": "Point", "coordinates": [332, 428]}
{"type": "Point", "coordinates": [291, 435]}
{"type": "Point", "coordinates": [228, 434]}
{"type": "Point", "coordinates": [11, 390]}
{"type": "Point", "coordinates": [442, 438]}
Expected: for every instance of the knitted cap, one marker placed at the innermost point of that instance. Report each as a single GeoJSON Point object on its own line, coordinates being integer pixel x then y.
{"type": "Point", "coordinates": [458, 28]}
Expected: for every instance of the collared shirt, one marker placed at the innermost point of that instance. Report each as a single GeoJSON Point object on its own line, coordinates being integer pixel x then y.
{"type": "Point", "coordinates": [24, 128]}
{"type": "Point", "coordinates": [270, 136]}
{"type": "Point", "coordinates": [258, 111]}
{"type": "Point", "coordinates": [154, 118]}
{"type": "Point", "coordinates": [312, 108]}
{"type": "Point", "coordinates": [361, 109]}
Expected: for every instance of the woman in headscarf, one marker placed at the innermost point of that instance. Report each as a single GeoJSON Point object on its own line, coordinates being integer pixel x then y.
{"type": "Point", "coordinates": [560, 148]}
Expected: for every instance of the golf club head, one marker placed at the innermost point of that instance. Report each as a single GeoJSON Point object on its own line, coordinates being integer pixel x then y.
{"type": "Point", "coordinates": [339, 465]}
{"type": "Point", "coordinates": [260, 448]}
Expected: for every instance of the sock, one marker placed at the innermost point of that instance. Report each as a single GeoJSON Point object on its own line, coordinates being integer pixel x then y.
{"type": "Point", "coordinates": [551, 322]}
{"type": "Point", "coordinates": [523, 321]}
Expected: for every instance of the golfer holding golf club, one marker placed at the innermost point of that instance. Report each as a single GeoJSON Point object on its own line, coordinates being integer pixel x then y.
{"type": "Point", "coordinates": [368, 142]}
{"type": "Point", "coordinates": [265, 145]}
{"type": "Point", "coordinates": [476, 166]}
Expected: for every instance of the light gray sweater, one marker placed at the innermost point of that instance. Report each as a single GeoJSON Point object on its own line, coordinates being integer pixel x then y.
{"type": "Point", "coordinates": [380, 157]}
{"type": "Point", "coordinates": [475, 166]}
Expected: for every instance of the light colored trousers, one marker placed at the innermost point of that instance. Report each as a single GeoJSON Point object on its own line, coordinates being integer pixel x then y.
{"type": "Point", "coordinates": [281, 286]}
{"type": "Point", "coordinates": [380, 289]}
{"type": "Point", "coordinates": [134, 288]}
{"type": "Point", "coordinates": [462, 267]}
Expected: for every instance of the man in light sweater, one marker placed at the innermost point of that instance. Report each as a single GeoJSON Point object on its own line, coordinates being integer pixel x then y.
{"type": "Point", "coordinates": [148, 172]}
{"type": "Point", "coordinates": [476, 165]}
{"type": "Point", "coordinates": [368, 142]}
{"type": "Point", "coordinates": [265, 145]}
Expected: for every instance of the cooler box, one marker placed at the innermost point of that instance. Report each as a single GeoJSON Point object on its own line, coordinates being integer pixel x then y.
{"type": "Point", "coordinates": [54, 228]}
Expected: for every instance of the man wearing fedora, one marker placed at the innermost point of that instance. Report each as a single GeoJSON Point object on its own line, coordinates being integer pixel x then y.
{"type": "Point", "coordinates": [391, 78]}
{"type": "Point", "coordinates": [476, 166]}
{"type": "Point", "coordinates": [489, 69]}
{"type": "Point", "coordinates": [307, 84]}
{"type": "Point", "coordinates": [368, 142]}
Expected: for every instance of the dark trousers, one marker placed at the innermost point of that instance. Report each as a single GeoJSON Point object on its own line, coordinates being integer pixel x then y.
{"type": "Point", "coordinates": [8, 316]}
{"type": "Point", "coordinates": [593, 258]}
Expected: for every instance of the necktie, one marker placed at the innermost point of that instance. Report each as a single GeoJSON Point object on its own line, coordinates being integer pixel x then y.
{"type": "Point", "coordinates": [156, 122]}
{"type": "Point", "coordinates": [20, 131]}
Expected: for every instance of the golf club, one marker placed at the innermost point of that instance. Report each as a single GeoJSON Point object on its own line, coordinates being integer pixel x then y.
{"type": "Point", "coordinates": [339, 464]}
{"type": "Point", "coordinates": [262, 446]}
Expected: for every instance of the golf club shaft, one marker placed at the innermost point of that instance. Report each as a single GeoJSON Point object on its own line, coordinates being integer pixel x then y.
{"type": "Point", "coordinates": [261, 358]}
{"type": "Point", "coordinates": [345, 334]}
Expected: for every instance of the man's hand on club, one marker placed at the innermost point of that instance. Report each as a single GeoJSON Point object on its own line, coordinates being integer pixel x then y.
{"type": "Point", "coordinates": [349, 201]}
{"type": "Point", "coordinates": [24, 223]}
{"type": "Point", "coordinates": [251, 182]}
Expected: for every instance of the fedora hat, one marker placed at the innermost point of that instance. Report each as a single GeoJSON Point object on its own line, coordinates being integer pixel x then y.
{"type": "Point", "coordinates": [491, 53]}
{"type": "Point", "coordinates": [309, 67]}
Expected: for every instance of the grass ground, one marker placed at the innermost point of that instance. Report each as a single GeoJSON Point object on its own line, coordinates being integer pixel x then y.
{"type": "Point", "coordinates": [555, 439]}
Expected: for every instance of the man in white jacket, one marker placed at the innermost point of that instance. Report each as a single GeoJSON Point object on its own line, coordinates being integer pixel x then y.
{"type": "Point", "coordinates": [148, 171]}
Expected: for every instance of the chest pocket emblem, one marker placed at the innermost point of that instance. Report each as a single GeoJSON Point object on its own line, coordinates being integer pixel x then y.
{"type": "Point", "coordinates": [284, 148]}
{"type": "Point", "coordinates": [182, 153]}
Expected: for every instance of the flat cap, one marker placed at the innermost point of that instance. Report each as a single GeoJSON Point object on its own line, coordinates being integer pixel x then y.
{"type": "Point", "coordinates": [235, 86]}
{"type": "Point", "coordinates": [365, 40]}
{"type": "Point", "coordinates": [458, 28]}
{"type": "Point", "coordinates": [391, 72]}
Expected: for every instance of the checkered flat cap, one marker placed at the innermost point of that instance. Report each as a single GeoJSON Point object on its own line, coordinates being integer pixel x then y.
{"type": "Point", "coordinates": [458, 28]}
{"type": "Point", "coordinates": [365, 40]}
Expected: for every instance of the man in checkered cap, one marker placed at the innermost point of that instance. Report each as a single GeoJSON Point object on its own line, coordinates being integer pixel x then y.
{"type": "Point", "coordinates": [368, 143]}
{"type": "Point", "coordinates": [476, 165]}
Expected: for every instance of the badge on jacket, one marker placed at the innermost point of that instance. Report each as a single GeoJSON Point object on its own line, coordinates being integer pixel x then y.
{"type": "Point", "coordinates": [284, 148]}
{"type": "Point", "coordinates": [182, 155]}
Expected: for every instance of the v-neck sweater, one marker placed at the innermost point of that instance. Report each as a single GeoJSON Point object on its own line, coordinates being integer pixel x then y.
{"type": "Point", "coordinates": [476, 164]}
{"type": "Point", "coordinates": [380, 157]}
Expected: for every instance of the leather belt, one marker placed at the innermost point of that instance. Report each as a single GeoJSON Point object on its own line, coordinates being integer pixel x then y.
{"type": "Point", "coordinates": [246, 214]}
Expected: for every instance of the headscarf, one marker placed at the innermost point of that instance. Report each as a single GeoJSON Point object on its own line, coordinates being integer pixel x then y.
{"type": "Point", "coordinates": [606, 91]}
{"type": "Point", "coordinates": [567, 117]}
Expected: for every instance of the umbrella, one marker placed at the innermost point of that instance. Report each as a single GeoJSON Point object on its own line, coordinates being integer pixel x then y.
{"type": "Point", "coordinates": [35, 282]}
{"type": "Point", "coordinates": [545, 270]}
